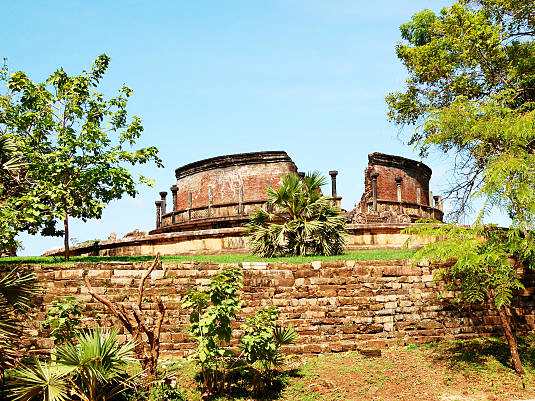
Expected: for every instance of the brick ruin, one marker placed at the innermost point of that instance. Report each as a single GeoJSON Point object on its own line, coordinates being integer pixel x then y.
{"type": "Point", "coordinates": [223, 191]}
{"type": "Point", "coordinates": [212, 199]}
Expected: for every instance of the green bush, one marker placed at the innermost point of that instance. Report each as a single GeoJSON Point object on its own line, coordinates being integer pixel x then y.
{"type": "Point", "coordinates": [213, 311]}
{"type": "Point", "coordinates": [62, 319]}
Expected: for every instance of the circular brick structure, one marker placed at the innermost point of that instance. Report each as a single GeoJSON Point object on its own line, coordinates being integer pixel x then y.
{"type": "Point", "coordinates": [396, 190]}
{"type": "Point", "coordinates": [222, 191]}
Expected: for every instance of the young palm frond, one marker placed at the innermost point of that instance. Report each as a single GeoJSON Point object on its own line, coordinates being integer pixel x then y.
{"type": "Point", "coordinates": [16, 292]}
{"type": "Point", "coordinates": [91, 370]}
{"type": "Point", "coordinates": [40, 381]}
{"type": "Point", "coordinates": [299, 220]}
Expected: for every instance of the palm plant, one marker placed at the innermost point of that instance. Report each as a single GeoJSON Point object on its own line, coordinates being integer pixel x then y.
{"type": "Point", "coordinates": [17, 289]}
{"type": "Point", "coordinates": [299, 220]}
{"type": "Point", "coordinates": [92, 369]}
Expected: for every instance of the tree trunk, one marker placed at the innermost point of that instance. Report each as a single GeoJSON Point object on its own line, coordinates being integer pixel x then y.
{"type": "Point", "coordinates": [505, 319]}
{"type": "Point", "coordinates": [66, 249]}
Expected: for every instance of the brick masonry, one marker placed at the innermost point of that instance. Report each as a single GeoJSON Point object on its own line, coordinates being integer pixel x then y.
{"type": "Point", "coordinates": [335, 306]}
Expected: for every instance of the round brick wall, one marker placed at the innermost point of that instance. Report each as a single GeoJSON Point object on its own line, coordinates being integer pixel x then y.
{"type": "Point", "coordinates": [412, 175]}
{"type": "Point", "coordinates": [222, 191]}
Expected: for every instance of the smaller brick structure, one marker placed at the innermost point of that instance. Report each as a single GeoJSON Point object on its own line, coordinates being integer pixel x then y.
{"type": "Point", "coordinates": [396, 190]}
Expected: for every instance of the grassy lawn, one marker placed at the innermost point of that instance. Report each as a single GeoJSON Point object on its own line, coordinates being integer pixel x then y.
{"type": "Point", "coordinates": [365, 254]}
{"type": "Point", "coordinates": [475, 370]}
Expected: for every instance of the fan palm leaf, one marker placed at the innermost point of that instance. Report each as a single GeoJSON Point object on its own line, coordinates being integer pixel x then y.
{"type": "Point", "coordinates": [302, 221]}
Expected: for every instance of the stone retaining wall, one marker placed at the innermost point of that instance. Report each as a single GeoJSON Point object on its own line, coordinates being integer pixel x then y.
{"type": "Point", "coordinates": [335, 306]}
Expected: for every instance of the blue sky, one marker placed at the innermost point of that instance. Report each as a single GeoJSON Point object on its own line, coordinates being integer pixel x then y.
{"type": "Point", "coordinates": [211, 78]}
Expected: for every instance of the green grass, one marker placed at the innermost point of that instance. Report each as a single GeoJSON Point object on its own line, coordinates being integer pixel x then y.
{"type": "Point", "coordinates": [367, 254]}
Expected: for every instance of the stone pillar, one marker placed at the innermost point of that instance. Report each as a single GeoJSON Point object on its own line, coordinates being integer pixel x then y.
{"type": "Point", "coordinates": [333, 174]}
{"type": "Point", "coordinates": [174, 190]}
{"type": "Point", "coordinates": [190, 204]}
{"type": "Point", "coordinates": [438, 203]}
{"type": "Point", "coordinates": [374, 190]}
{"type": "Point", "coordinates": [210, 200]}
{"type": "Point", "coordinates": [240, 200]}
{"type": "Point", "coordinates": [399, 193]}
{"type": "Point", "coordinates": [163, 195]}
{"type": "Point", "coordinates": [430, 198]}
{"type": "Point", "coordinates": [158, 204]}
{"type": "Point", "coordinates": [418, 195]}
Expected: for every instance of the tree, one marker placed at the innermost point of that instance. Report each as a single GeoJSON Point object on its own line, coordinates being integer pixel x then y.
{"type": "Point", "coordinates": [77, 144]}
{"type": "Point", "coordinates": [299, 220]}
{"type": "Point", "coordinates": [470, 94]}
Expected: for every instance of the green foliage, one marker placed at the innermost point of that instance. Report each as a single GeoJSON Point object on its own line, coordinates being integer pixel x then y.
{"type": "Point", "coordinates": [263, 338]}
{"type": "Point", "coordinates": [17, 290]}
{"type": "Point", "coordinates": [299, 220]}
{"type": "Point", "coordinates": [90, 370]}
{"type": "Point", "coordinates": [480, 260]}
{"type": "Point", "coordinates": [76, 144]}
{"type": "Point", "coordinates": [62, 319]}
{"type": "Point", "coordinates": [166, 392]}
{"type": "Point", "coordinates": [213, 311]}
{"type": "Point", "coordinates": [470, 93]}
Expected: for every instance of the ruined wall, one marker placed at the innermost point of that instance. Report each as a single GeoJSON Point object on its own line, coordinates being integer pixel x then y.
{"type": "Point", "coordinates": [396, 190]}
{"type": "Point", "coordinates": [335, 306]}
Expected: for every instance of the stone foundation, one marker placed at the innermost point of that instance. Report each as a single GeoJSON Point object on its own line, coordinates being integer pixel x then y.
{"type": "Point", "coordinates": [334, 306]}
{"type": "Point", "coordinates": [229, 240]}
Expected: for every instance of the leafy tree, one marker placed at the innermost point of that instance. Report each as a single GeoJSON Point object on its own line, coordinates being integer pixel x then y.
{"type": "Point", "coordinates": [299, 220]}
{"type": "Point", "coordinates": [77, 144]}
{"type": "Point", "coordinates": [470, 94]}
{"type": "Point", "coordinates": [93, 369]}
{"type": "Point", "coordinates": [17, 289]}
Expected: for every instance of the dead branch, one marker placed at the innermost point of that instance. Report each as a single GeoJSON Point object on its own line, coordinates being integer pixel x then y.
{"type": "Point", "coordinates": [136, 323]}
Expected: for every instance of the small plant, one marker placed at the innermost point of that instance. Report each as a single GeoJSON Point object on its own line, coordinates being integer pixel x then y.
{"type": "Point", "coordinates": [261, 345]}
{"type": "Point", "coordinates": [91, 369]}
{"type": "Point", "coordinates": [299, 220]}
{"type": "Point", "coordinates": [166, 392]}
{"type": "Point", "coordinates": [213, 311]}
{"type": "Point", "coordinates": [62, 319]}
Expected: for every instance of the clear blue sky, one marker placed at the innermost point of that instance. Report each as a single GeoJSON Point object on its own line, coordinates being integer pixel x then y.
{"type": "Point", "coordinates": [212, 78]}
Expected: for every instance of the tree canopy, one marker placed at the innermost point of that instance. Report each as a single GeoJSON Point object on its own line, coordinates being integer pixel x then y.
{"type": "Point", "coordinates": [471, 93]}
{"type": "Point", "coordinates": [76, 144]}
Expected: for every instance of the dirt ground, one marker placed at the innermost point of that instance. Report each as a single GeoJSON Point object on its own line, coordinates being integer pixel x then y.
{"type": "Point", "coordinates": [476, 370]}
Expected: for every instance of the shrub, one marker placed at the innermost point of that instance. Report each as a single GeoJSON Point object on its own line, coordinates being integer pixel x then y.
{"type": "Point", "coordinates": [299, 220]}
{"type": "Point", "coordinates": [93, 369]}
{"type": "Point", "coordinates": [62, 319]}
{"type": "Point", "coordinates": [213, 311]}
{"type": "Point", "coordinates": [261, 345]}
